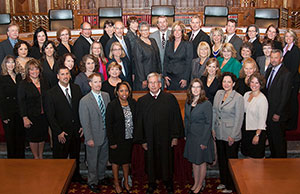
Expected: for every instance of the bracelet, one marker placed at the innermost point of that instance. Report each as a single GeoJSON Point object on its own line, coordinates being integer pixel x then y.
{"type": "Point", "coordinates": [257, 135]}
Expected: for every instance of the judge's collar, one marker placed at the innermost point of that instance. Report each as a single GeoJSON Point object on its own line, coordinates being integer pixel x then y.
{"type": "Point", "coordinates": [156, 93]}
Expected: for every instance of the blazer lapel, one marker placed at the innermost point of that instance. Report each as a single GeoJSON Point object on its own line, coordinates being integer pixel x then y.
{"type": "Point", "coordinates": [228, 99]}
{"type": "Point", "coordinates": [62, 94]}
{"type": "Point", "coordinates": [276, 77]}
{"type": "Point", "coordinates": [94, 103]}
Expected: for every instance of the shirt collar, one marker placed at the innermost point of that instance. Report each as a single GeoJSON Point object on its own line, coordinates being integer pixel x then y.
{"type": "Point", "coordinates": [64, 88]}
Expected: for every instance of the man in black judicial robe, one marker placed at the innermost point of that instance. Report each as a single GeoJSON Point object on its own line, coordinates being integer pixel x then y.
{"type": "Point", "coordinates": [159, 125]}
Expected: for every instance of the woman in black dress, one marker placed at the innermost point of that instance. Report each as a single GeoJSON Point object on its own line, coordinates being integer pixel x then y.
{"type": "Point", "coordinates": [211, 78]}
{"type": "Point", "coordinates": [146, 57]}
{"type": "Point", "coordinates": [40, 36]}
{"type": "Point", "coordinates": [272, 33]}
{"type": "Point", "coordinates": [249, 67]}
{"type": "Point", "coordinates": [120, 117]}
{"type": "Point", "coordinates": [9, 109]}
{"type": "Point", "coordinates": [178, 58]}
{"type": "Point", "coordinates": [252, 36]}
{"type": "Point", "coordinates": [49, 63]}
{"type": "Point", "coordinates": [291, 60]}
{"type": "Point", "coordinates": [199, 147]}
{"type": "Point", "coordinates": [63, 35]}
{"type": "Point", "coordinates": [31, 93]}
{"type": "Point", "coordinates": [114, 70]}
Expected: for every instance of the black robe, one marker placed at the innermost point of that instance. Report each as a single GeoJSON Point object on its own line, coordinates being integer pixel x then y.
{"type": "Point", "coordinates": [158, 122]}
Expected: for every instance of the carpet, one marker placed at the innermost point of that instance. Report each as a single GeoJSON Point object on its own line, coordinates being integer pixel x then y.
{"type": "Point", "coordinates": [140, 187]}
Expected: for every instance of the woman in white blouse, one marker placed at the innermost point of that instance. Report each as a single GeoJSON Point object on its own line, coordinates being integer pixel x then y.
{"type": "Point", "coordinates": [256, 109]}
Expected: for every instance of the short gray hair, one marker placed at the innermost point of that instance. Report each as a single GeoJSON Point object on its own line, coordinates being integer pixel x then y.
{"type": "Point", "coordinates": [277, 51]}
{"type": "Point", "coordinates": [154, 74]}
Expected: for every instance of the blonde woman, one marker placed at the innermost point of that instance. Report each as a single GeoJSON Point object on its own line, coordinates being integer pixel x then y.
{"type": "Point", "coordinates": [227, 60]}
{"type": "Point", "coordinates": [217, 38]}
{"type": "Point", "coordinates": [199, 64]}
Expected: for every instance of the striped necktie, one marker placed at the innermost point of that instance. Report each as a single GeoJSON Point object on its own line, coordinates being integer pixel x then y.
{"type": "Point", "coordinates": [102, 108]}
{"type": "Point", "coordinates": [68, 97]}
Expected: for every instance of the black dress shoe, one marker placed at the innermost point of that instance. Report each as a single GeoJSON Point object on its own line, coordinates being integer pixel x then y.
{"type": "Point", "coordinates": [94, 188]}
{"type": "Point", "coordinates": [106, 181]}
{"type": "Point", "coordinates": [79, 179]}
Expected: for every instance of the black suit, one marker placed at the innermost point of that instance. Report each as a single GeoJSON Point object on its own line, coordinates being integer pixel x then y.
{"type": "Point", "coordinates": [63, 117]}
{"type": "Point", "coordinates": [5, 49]}
{"type": "Point", "coordinates": [35, 52]}
{"type": "Point", "coordinates": [278, 95]}
{"type": "Point", "coordinates": [9, 110]}
{"type": "Point", "coordinates": [201, 36]}
{"type": "Point", "coordinates": [178, 64]}
{"type": "Point", "coordinates": [257, 49]}
{"type": "Point", "coordinates": [61, 49]}
{"type": "Point", "coordinates": [291, 61]}
{"type": "Point", "coordinates": [114, 39]}
{"type": "Point", "coordinates": [81, 47]}
{"type": "Point", "coordinates": [31, 104]}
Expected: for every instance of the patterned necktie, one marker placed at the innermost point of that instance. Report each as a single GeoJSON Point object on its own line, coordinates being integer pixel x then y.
{"type": "Point", "coordinates": [102, 108]}
{"type": "Point", "coordinates": [192, 37]}
{"type": "Point", "coordinates": [163, 40]}
{"type": "Point", "coordinates": [270, 79]}
{"type": "Point", "coordinates": [68, 97]}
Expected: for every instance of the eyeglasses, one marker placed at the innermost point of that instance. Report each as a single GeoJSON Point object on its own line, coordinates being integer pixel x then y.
{"type": "Point", "coordinates": [87, 29]}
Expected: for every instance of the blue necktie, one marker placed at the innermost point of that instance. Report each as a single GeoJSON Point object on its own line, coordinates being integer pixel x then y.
{"type": "Point", "coordinates": [102, 108]}
{"type": "Point", "coordinates": [270, 78]}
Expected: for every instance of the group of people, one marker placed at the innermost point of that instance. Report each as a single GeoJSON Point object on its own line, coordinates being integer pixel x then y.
{"type": "Point", "coordinates": [239, 93]}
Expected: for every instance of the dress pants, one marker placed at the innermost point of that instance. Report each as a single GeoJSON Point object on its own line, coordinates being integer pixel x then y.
{"type": "Point", "coordinates": [277, 141]}
{"type": "Point", "coordinates": [71, 149]}
{"type": "Point", "coordinates": [97, 158]}
{"type": "Point", "coordinates": [225, 152]}
{"type": "Point", "coordinates": [15, 137]}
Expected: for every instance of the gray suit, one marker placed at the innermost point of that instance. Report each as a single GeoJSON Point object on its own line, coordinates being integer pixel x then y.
{"type": "Point", "coordinates": [237, 42]}
{"type": "Point", "coordinates": [94, 129]}
{"type": "Point", "coordinates": [228, 116]}
{"type": "Point", "coordinates": [261, 61]}
{"type": "Point", "coordinates": [156, 36]}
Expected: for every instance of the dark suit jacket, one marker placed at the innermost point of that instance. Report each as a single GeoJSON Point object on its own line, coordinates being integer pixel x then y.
{"type": "Point", "coordinates": [115, 120]}
{"type": "Point", "coordinates": [178, 64]}
{"type": "Point", "coordinates": [81, 47]}
{"type": "Point", "coordinates": [35, 52]}
{"type": "Point", "coordinates": [237, 43]}
{"type": "Point", "coordinates": [61, 116]}
{"type": "Point", "coordinates": [201, 36]}
{"type": "Point", "coordinates": [50, 74]}
{"type": "Point", "coordinates": [291, 61]}
{"type": "Point", "coordinates": [30, 99]}
{"type": "Point", "coordinates": [114, 39]}
{"type": "Point", "coordinates": [5, 49]}
{"type": "Point", "coordinates": [128, 69]}
{"type": "Point", "coordinates": [279, 92]}
{"type": "Point", "coordinates": [104, 39]}
{"type": "Point", "coordinates": [8, 96]}
{"type": "Point", "coordinates": [257, 49]}
{"type": "Point", "coordinates": [61, 49]}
